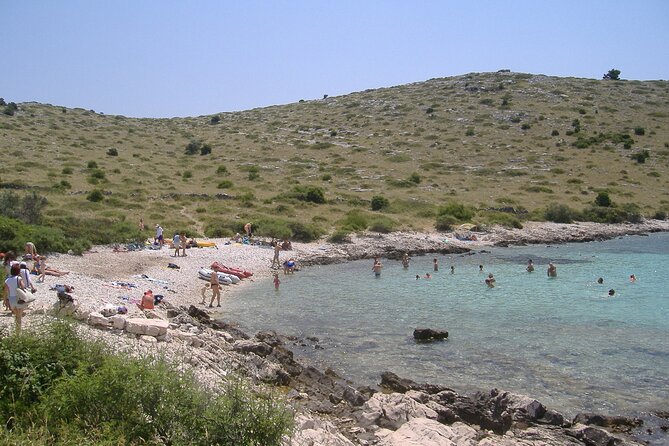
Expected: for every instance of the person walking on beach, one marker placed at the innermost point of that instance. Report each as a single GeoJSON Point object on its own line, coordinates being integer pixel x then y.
{"type": "Point", "coordinates": [377, 267]}
{"type": "Point", "coordinates": [552, 270]}
{"type": "Point", "coordinates": [248, 228]}
{"type": "Point", "coordinates": [530, 266]}
{"type": "Point", "coordinates": [159, 235]}
{"type": "Point", "coordinates": [435, 262]}
{"type": "Point", "coordinates": [277, 250]}
{"type": "Point", "coordinates": [176, 244]}
{"type": "Point", "coordinates": [13, 283]}
{"type": "Point", "coordinates": [215, 289]}
{"type": "Point", "coordinates": [204, 294]}
{"type": "Point", "coordinates": [277, 282]}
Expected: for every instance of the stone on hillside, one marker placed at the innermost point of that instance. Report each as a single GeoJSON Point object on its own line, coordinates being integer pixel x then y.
{"type": "Point", "coordinates": [393, 410]}
{"type": "Point", "coordinates": [151, 314]}
{"type": "Point", "coordinates": [150, 327]}
{"type": "Point", "coordinates": [425, 432]}
{"type": "Point", "coordinates": [249, 346]}
{"type": "Point", "coordinates": [148, 339]}
{"type": "Point", "coordinates": [314, 431]}
{"type": "Point", "coordinates": [118, 322]}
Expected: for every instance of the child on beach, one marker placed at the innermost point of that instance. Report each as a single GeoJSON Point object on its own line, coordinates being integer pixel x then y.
{"type": "Point", "coordinates": [41, 268]}
{"type": "Point", "coordinates": [276, 281]}
{"type": "Point", "coordinates": [204, 294]}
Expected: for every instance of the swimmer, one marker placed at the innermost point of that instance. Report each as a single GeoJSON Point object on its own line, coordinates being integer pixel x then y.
{"type": "Point", "coordinates": [552, 270]}
{"type": "Point", "coordinates": [436, 264]}
{"type": "Point", "coordinates": [428, 276]}
{"type": "Point", "coordinates": [600, 281]}
{"type": "Point", "coordinates": [417, 277]}
{"type": "Point", "coordinates": [632, 278]}
{"type": "Point", "coordinates": [377, 267]}
{"type": "Point", "coordinates": [276, 281]}
{"type": "Point", "coordinates": [405, 260]}
{"type": "Point", "coordinates": [612, 292]}
{"type": "Point", "coordinates": [530, 266]}
{"type": "Point", "coordinates": [490, 281]}
{"type": "Point", "coordinates": [452, 269]}
{"type": "Point", "coordinates": [480, 268]}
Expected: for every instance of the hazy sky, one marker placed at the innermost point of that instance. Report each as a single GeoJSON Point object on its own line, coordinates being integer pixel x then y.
{"type": "Point", "coordinates": [150, 58]}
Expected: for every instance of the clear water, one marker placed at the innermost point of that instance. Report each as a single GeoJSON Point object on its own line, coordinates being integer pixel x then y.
{"type": "Point", "coordinates": [561, 340]}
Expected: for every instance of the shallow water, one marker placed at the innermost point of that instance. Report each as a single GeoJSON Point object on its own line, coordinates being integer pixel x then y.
{"type": "Point", "coordinates": [561, 340]}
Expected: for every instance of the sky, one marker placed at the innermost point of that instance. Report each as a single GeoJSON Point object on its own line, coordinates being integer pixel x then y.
{"type": "Point", "coordinates": [167, 58]}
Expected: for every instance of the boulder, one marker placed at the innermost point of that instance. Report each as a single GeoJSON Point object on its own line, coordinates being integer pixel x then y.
{"type": "Point", "coordinates": [428, 334]}
{"type": "Point", "coordinates": [249, 346]}
{"type": "Point", "coordinates": [393, 410]}
{"type": "Point", "coordinates": [118, 322]}
{"type": "Point", "coordinates": [314, 431]}
{"type": "Point", "coordinates": [98, 320]}
{"type": "Point", "coordinates": [149, 327]}
{"type": "Point", "coordinates": [394, 383]}
{"type": "Point", "coordinates": [615, 423]}
{"type": "Point", "coordinates": [425, 432]}
{"type": "Point", "coordinates": [199, 314]}
{"type": "Point", "coordinates": [594, 436]}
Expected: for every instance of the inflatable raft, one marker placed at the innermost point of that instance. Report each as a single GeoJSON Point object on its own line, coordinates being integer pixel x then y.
{"type": "Point", "coordinates": [224, 279]}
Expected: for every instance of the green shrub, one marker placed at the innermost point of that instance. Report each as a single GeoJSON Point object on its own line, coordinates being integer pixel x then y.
{"type": "Point", "coordinates": [27, 208]}
{"type": "Point", "coordinates": [379, 202]}
{"type": "Point", "coordinates": [354, 221]}
{"type": "Point", "coordinates": [95, 196]}
{"type": "Point", "coordinates": [458, 211]}
{"type": "Point", "coordinates": [340, 236]}
{"type": "Point", "coordinates": [67, 171]}
{"type": "Point", "coordinates": [187, 174]}
{"type": "Point", "coordinates": [222, 170]}
{"type": "Point", "coordinates": [445, 222]}
{"type": "Point", "coordinates": [414, 178]}
{"type": "Point", "coordinates": [560, 213]}
{"type": "Point", "coordinates": [603, 199]}
{"type": "Point", "coordinates": [98, 174]}
{"type": "Point", "coordinates": [660, 215]}
{"type": "Point", "coordinates": [302, 232]}
{"type": "Point", "coordinates": [628, 212]}
{"type": "Point", "coordinates": [640, 131]}
{"type": "Point", "coordinates": [112, 152]}
{"type": "Point", "coordinates": [382, 224]}
{"type": "Point", "coordinates": [555, 133]}
{"type": "Point", "coordinates": [225, 184]}
{"type": "Point", "coordinates": [221, 228]}
{"type": "Point", "coordinates": [326, 177]}
{"type": "Point", "coordinates": [640, 157]}
{"type": "Point", "coordinates": [92, 165]}
{"type": "Point", "coordinates": [500, 218]}
{"type": "Point", "coordinates": [89, 396]}
{"type": "Point", "coordinates": [313, 194]}
{"type": "Point", "coordinates": [469, 132]}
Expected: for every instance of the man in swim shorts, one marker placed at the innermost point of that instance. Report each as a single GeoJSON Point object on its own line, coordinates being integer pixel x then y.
{"type": "Point", "coordinates": [377, 268]}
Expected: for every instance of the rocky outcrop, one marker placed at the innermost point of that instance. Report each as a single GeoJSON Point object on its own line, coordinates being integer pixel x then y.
{"type": "Point", "coordinates": [615, 423]}
{"type": "Point", "coordinates": [426, 432]}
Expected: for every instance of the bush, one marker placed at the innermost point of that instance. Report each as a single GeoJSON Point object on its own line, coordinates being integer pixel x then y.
{"type": "Point", "coordinates": [92, 165]}
{"type": "Point", "coordinates": [221, 228]}
{"type": "Point", "coordinates": [660, 215]}
{"type": "Point", "coordinates": [112, 152]}
{"type": "Point", "coordinates": [458, 211]}
{"type": "Point", "coordinates": [501, 218]}
{"type": "Point", "coordinates": [95, 196]}
{"type": "Point", "coordinates": [27, 208]}
{"type": "Point", "coordinates": [339, 236]}
{"type": "Point", "coordinates": [555, 133]}
{"type": "Point", "coordinates": [415, 178]}
{"type": "Point", "coordinates": [445, 222]}
{"type": "Point", "coordinates": [354, 221]}
{"type": "Point", "coordinates": [215, 119]}
{"type": "Point", "coordinates": [225, 184]}
{"type": "Point", "coordinates": [382, 224]}
{"type": "Point", "coordinates": [187, 174]}
{"type": "Point", "coordinates": [640, 157]}
{"type": "Point", "coordinates": [67, 171]}
{"type": "Point", "coordinates": [603, 199]}
{"type": "Point", "coordinates": [560, 213]}
{"type": "Point", "coordinates": [313, 194]}
{"type": "Point", "coordinates": [612, 74]}
{"type": "Point", "coordinates": [640, 131]}
{"type": "Point", "coordinates": [91, 397]}
{"type": "Point", "coordinates": [469, 132]}
{"type": "Point", "coordinates": [379, 202]}
{"type": "Point", "coordinates": [222, 170]}
{"type": "Point", "coordinates": [628, 212]}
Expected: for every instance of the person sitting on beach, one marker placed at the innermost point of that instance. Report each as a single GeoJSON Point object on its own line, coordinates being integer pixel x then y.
{"type": "Point", "coordinates": [31, 251]}
{"type": "Point", "coordinates": [530, 266]}
{"type": "Point", "coordinates": [490, 281]}
{"type": "Point", "coordinates": [147, 302]}
{"type": "Point", "coordinates": [237, 238]}
{"type": "Point", "coordinates": [287, 245]}
{"type": "Point", "coordinates": [552, 270]}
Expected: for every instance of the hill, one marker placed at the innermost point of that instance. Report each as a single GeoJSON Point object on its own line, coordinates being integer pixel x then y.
{"type": "Point", "coordinates": [503, 141]}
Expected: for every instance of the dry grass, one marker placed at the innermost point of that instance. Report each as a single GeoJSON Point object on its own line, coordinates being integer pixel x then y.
{"type": "Point", "coordinates": [484, 139]}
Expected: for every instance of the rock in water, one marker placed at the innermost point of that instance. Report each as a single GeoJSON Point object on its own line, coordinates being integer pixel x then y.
{"type": "Point", "coordinates": [428, 334]}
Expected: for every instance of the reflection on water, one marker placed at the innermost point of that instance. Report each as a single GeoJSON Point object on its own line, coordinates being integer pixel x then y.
{"type": "Point", "coordinates": [561, 340]}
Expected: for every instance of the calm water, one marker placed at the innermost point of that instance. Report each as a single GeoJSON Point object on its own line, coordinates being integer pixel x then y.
{"type": "Point", "coordinates": [561, 340]}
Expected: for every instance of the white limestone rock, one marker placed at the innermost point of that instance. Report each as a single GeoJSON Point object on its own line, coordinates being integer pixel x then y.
{"type": "Point", "coordinates": [150, 327]}
{"type": "Point", "coordinates": [425, 432]}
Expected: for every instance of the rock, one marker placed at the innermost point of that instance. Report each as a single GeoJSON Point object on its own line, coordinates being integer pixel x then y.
{"type": "Point", "coordinates": [148, 339]}
{"type": "Point", "coordinates": [172, 313]}
{"type": "Point", "coordinates": [615, 423]}
{"type": "Point", "coordinates": [118, 322]}
{"type": "Point", "coordinates": [235, 332]}
{"type": "Point", "coordinates": [394, 383]}
{"type": "Point", "coordinates": [353, 397]}
{"type": "Point", "coordinates": [150, 327]}
{"type": "Point", "coordinates": [285, 357]}
{"type": "Point", "coordinates": [425, 432]}
{"type": "Point", "coordinates": [314, 431]}
{"type": "Point", "coordinates": [428, 334]}
{"type": "Point", "coordinates": [269, 337]}
{"type": "Point", "coordinates": [98, 320]}
{"type": "Point", "coordinates": [151, 314]}
{"type": "Point", "coordinates": [249, 346]}
{"type": "Point", "coordinates": [393, 410]}
{"type": "Point", "coordinates": [594, 436]}
{"type": "Point", "coordinates": [199, 314]}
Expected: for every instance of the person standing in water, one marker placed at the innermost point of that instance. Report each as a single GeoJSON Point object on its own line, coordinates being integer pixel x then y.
{"type": "Point", "coordinates": [377, 267]}
{"type": "Point", "coordinates": [452, 269]}
{"type": "Point", "coordinates": [405, 260]}
{"type": "Point", "coordinates": [490, 281]}
{"type": "Point", "coordinates": [530, 266]}
{"type": "Point", "coordinates": [276, 281]}
{"type": "Point", "coordinates": [552, 270]}
{"type": "Point", "coordinates": [435, 262]}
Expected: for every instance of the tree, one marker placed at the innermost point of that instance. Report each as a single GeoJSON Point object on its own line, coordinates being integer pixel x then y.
{"type": "Point", "coordinates": [603, 199]}
{"type": "Point", "coordinates": [613, 75]}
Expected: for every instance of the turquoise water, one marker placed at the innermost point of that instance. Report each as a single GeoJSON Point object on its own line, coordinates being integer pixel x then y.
{"type": "Point", "coordinates": [561, 340]}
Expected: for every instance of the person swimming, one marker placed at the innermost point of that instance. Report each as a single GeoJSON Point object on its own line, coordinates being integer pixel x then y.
{"type": "Point", "coordinates": [612, 292]}
{"type": "Point", "coordinates": [632, 278]}
{"type": "Point", "coordinates": [530, 266]}
{"type": "Point", "coordinates": [552, 270]}
{"type": "Point", "coordinates": [600, 281]}
{"type": "Point", "coordinates": [490, 281]}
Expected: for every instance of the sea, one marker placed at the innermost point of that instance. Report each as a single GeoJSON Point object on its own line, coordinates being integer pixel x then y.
{"type": "Point", "coordinates": [564, 341]}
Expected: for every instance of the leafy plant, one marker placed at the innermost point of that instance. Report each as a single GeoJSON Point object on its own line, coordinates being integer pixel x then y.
{"type": "Point", "coordinates": [612, 74]}
{"type": "Point", "coordinates": [379, 202]}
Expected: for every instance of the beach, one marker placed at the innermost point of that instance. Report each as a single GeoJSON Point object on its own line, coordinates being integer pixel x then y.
{"type": "Point", "coordinates": [107, 276]}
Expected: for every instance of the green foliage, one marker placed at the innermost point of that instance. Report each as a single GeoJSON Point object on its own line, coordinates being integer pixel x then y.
{"type": "Point", "coordinates": [458, 211]}
{"type": "Point", "coordinates": [379, 202]}
{"type": "Point", "coordinates": [312, 194]}
{"type": "Point", "coordinates": [382, 224]}
{"type": "Point", "coordinates": [112, 152]}
{"type": "Point", "coordinates": [414, 178]}
{"type": "Point", "coordinates": [639, 131]}
{"type": "Point", "coordinates": [222, 170]}
{"type": "Point", "coordinates": [640, 157]}
{"type": "Point", "coordinates": [215, 119]}
{"type": "Point", "coordinates": [612, 74]}
{"type": "Point", "coordinates": [225, 184]}
{"type": "Point", "coordinates": [89, 396]}
{"type": "Point", "coordinates": [354, 221]}
{"type": "Point", "coordinates": [67, 171]}
{"type": "Point", "coordinates": [555, 133]}
{"type": "Point", "coordinates": [98, 174]}
{"type": "Point", "coordinates": [95, 196]}
{"type": "Point", "coordinates": [340, 236]}
{"type": "Point", "coordinates": [560, 213]}
{"type": "Point", "coordinates": [196, 146]}
{"type": "Point", "coordinates": [27, 208]}
{"type": "Point", "coordinates": [470, 132]}
{"type": "Point", "coordinates": [628, 212]}
{"type": "Point", "coordinates": [14, 234]}
{"type": "Point", "coordinates": [500, 218]}
{"type": "Point", "coordinates": [187, 174]}
{"type": "Point", "coordinates": [660, 215]}
{"type": "Point", "coordinates": [221, 228]}
{"type": "Point", "coordinates": [445, 222]}
{"type": "Point", "coordinates": [92, 165]}
{"type": "Point", "coordinates": [603, 199]}
{"type": "Point", "coordinates": [10, 109]}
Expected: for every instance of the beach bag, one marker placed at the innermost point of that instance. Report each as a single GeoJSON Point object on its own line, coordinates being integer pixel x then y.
{"type": "Point", "coordinates": [22, 296]}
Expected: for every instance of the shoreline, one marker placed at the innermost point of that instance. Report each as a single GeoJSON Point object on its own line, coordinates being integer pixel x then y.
{"type": "Point", "coordinates": [92, 275]}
